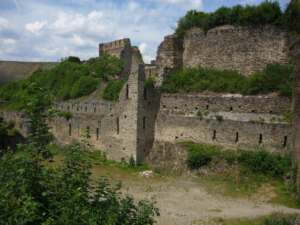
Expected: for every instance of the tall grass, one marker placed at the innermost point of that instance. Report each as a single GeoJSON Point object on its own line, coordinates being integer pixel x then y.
{"type": "Point", "coordinates": [273, 78]}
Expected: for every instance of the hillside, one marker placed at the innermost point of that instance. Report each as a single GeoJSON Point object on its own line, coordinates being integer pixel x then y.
{"type": "Point", "coordinates": [14, 71]}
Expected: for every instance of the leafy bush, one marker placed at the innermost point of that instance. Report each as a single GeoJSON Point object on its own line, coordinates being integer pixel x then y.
{"type": "Point", "coordinates": [266, 12]}
{"type": "Point", "coordinates": [20, 125]}
{"type": "Point", "coordinates": [84, 86]}
{"type": "Point", "coordinates": [11, 123]}
{"type": "Point", "coordinates": [199, 114]}
{"type": "Point", "coordinates": [219, 118]}
{"type": "Point", "coordinates": [261, 161]}
{"type": "Point", "coordinates": [199, 154]}
{"type": "Point", "coordinates": [150, 82]}
{"type": "Point", "coordinates": [68, 115]}
{"type": "Point", "coordinates": [288, 114]}
{"type": "Point", "coordinates": [73, 59]}
{"type": "Point", "coordinates": [113, 89]}
{"type": "Point", "coordinates": [273, 78]}
{"type": "Point", "coordinates": [15, 131]}
{"type": "Point", "coordinates": [107, 65]}
{"type": "Point", "coordinates": [140, 57]}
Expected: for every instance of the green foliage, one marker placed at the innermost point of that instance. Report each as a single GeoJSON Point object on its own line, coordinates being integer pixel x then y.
{"type": "Point", "coordinates": [74, 59]}
{"type": "Point", "coordinates": [219, 118]}
{"type": "Point", "coordinates": [266, 12]}
{"type": "Point", "coordinates": [258, 161]}
{"type": "Point", "coordinates": [282, 221]}
{"type": "Point", "coordinates": [199, 114]}
{"type": "Point", "coordinates": [3, 132]}
{"type": "Point", "coordinates": [68, 115]}
{"type": "Point", "coordinates": [84, 86]}
{"type": "Point", "coordinates": [10, 123]}
{"type": "Point", "coordinates": [68, 80]}
{"type": "Point", "coordinates": [31, 193]}
{"type": "Point", "coordinates": [113, 89]}
{"type": "Point", "coordinates": [107, 66]}
{"type": "Point", "coordinates": [274, 78]}
{"type": "Point", "coordinates": [131, 161]}
{"type": "Point", "coordinates": [140, 57]}
{"type": "Point", "coordinates": [15, 131]}
{"type": "Point", "coordinates": [261, 161]}
{"type": "Point", "coordinates": [288, 114]}
{"type": "Point", "coordinates": [291, 16]}
{"type": "Point", "coordinates": [200, 154]}
{"type": "Point", "coordinates": [20, 125]}
{"type": "Point", "coordinates": [150, 82]}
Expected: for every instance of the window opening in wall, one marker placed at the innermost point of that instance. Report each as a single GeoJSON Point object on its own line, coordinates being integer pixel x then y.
{"type": "Point", "coordinates": [127, 91]}
{"type": "Point", "coordinates": [145, 93]}
{"type": "Point", "coordinates": [125, 116]}
{"type": "Point", "coordinates": [253, 111]}
{"type": "Point", "coordinates": [181, 134]}
{"type": "Point", "coordinates": [176, 137]}
{"type": "Point", "coordinates": [207, 106]}
{"type": "Point", "coordinates": [260, 138]}
{"type": "Point", "coordinates": [240, 106]}
{"type": "Point", "coordinates": [175, 107]}
{"type": "Point", "coordinates": [214, 136]}
{"type": "Point", "coordinates": [196, 107]}
{"type": "Point", "coordinates": [164, 106]}
{"type": "Point", "coordinates": [285, 140]}
{"type": "Point", "coordinates": [144, 150]}
{"type": "Point", "coordinates": [237, 137]}
{"type": "Point", "coordinates": [124, 149]}
{"type": "Point", "coordinates": [77, 108]}
{"type": "Point", "coordinates": [81, 108]}
{"type": "Point", "coordinates": [88, 128]}
{"type": "Point", "coordinates": [97, 133]}
{"type": "Point", "coordinates": [78, 129]}
{"type": "Point", "coordinates": [70, 127]}
{"type": "Point", "coordinates": [111, 115]}
{"type": "Point", "coordinates": [230, 109]}
{"type": "Point", "coordinates": [85, 108]}
{"type": "Point", "coordinates": [118, 126]}
{"type": "Point", "coordinates": [110, 109]}
{"type": "Point", "coordinates": [185, 105]}
{"type": "Point", "coordinates": [110, 146]}
{"type": "Point", "coordinates": [271, 111]}
{"type": "Point", "coordinates": [94, 110]}
{"type": "Point", "coordinates": [144, 123]}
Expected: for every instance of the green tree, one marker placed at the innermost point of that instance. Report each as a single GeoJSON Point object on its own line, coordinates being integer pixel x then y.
{"type": "Point", "coordinates": [107, 65]}
{"type": "Point", "coordinates": [31, 193]}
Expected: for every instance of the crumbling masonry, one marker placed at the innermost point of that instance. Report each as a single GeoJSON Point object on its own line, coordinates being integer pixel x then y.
{"type": "Point", "coordinates": [142, 121]}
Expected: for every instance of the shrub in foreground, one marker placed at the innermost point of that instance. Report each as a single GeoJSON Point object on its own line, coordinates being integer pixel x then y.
{"type": "Point", "coordinates": [32, 193]}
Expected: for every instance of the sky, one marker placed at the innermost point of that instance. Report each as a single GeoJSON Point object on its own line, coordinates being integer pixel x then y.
{"type": "Point", "coordinates": [47, 30]}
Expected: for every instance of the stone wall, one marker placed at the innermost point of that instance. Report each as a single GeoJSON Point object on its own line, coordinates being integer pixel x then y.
{"type": "Point", "coordinates": [229, 132]}
{"type": "Point", "coordinates": [296, 105]}
{"type": "Point", "coordinates": [123, 128]}
{"type": "Point", "coordinates": [170, 52]}
{"type": "Point", "coordinates": [18, 118]}
{"type": "Point", "coordinates": [245, 49]}
{"type": "Point", "coordinates": [226, 103]}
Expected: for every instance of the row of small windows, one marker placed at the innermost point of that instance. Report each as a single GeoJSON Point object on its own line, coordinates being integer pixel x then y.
{"type": "Point", "coordinates": [237, 138]}
{"type": "Point", "coordinates": [207, 107]}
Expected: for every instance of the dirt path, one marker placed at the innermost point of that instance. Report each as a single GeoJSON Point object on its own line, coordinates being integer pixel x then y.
{"type": "Point", "coordinates": [182, 201]}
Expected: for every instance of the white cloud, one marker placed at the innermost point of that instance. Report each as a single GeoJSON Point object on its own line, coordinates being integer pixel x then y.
{"type": "Point", "coordinates": [35, 27]}
{"type": "Point", "coordinates": [148, 59]}
{"type": "Point", "coordinates": [186, 4]}
{"type": "Point", "coordinates": [8, 41]}
{"type": "Point", "coordinates": [148, 52]}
